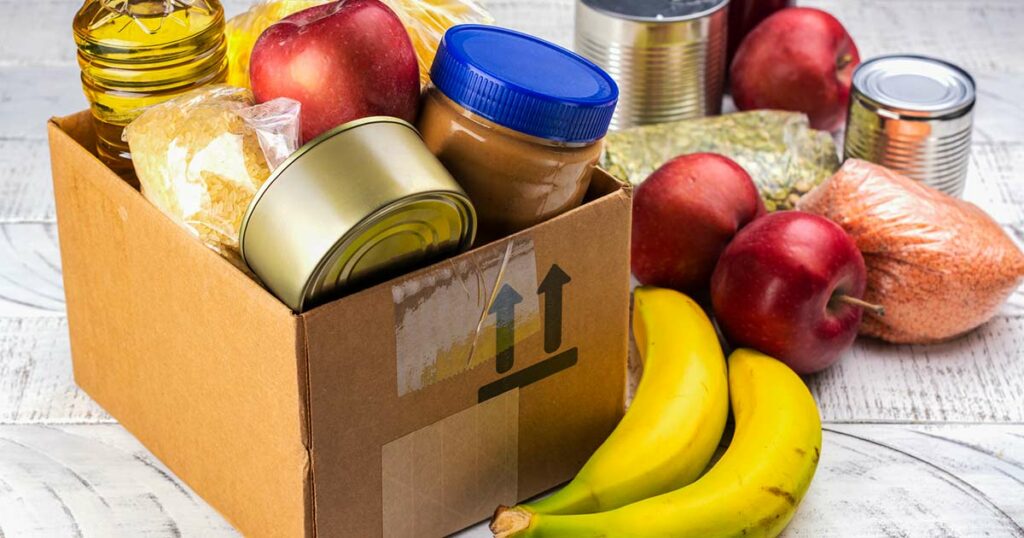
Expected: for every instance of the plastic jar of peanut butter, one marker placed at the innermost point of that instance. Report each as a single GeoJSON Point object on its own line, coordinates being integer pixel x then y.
{"type": "Point", "coordinates": [517, 121]}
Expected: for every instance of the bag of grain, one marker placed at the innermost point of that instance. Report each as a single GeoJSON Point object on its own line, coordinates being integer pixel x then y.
{"type": "Point", "coordinates": [202, 156]}
{"type": "Point", "coordinates": [939, 265]}
{"type": "Point", "coordinates": [780, 151]}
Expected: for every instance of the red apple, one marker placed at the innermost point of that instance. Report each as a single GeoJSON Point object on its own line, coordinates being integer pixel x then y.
{"type": "Point", "coordinates": [683, 216]}
{"type": "Point", "coordinates": [343, 61]}
{"type": "Point", "coordinates": [799, 59]}
{"type": "Point", "coordinates": [785, 286]}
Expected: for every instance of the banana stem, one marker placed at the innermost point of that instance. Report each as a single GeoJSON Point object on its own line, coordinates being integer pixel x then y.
{"type": "Point", "coordinates": [876, 309]}
{"type": "Point", "coordinates": [508, 522]}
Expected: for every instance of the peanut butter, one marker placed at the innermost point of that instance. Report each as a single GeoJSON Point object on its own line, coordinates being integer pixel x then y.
{"type": "Point", "coordinates": [515, 180]}
{"type": "Point", "coordinates": [518, 121]}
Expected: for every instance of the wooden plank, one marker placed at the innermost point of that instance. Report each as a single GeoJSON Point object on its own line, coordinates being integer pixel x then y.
{"type": "Point", "coordinates": [30, 280]}
{"type": "Point", "coordinates": [36, 384]}
{"type": "Point", "coordinates": [883, 480]}
{"type": "Point", "coordinates": [876, 480]}
{"type": "Point", "coordinates": [979, 35]}
{"type": "Point", "coordinates": [36, 87]}
{"type": "Point", "coordinates": [873, 480]}
{"type": "Point", "coordinates": [995, 181]}
{"type": "Point", "coordinates": [93, 481]}
{"type": "Point", "coordinates": [26, 188]}
{"type": "Point", "coordinates": [982, 37]}
{"type": "Point", "coordinates": [39, 32]}
{"type": "Point", "coordinates": [29, 95]}
{"type": "Point", "coordinates": [976, 379]}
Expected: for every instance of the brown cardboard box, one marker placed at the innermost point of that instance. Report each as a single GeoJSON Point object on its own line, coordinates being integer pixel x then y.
{"type": "Point", "coordinates": [408, 409]}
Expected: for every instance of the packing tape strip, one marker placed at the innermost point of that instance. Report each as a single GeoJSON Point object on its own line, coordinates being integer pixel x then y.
{"type": "Point", "coordinates": [452, 473]}
{"type": "Point", "coordinates": [464, 313]}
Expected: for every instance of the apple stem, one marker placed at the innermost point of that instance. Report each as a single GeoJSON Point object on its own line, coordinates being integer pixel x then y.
{"type": "Point", "coordinates": [876, 309]}
{"type": "Point", "coordinates": [843, 61]}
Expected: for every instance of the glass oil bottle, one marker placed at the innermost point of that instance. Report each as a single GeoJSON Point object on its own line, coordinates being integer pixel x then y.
{"type": "Point", "coordinates": [137, 53]}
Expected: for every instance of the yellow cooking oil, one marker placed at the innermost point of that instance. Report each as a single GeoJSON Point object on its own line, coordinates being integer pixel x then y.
{"type": "Point", "coordinates": [137, 53]}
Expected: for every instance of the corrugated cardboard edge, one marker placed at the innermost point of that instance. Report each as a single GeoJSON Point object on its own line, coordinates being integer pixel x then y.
{"type": "Point", "coordinates": [222, 481]}
{"type": "Point", "coordinates": [309, 491]}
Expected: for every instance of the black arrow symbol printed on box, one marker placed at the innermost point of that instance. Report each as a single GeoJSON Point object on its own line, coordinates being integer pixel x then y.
{"type": "Point", "coordinates": [551, 287]}
{"type": "Point", "coordinates": [504, 310]}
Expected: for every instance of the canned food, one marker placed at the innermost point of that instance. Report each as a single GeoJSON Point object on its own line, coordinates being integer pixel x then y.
{"type": "Point", "coordinates": [667, 56]}
{"type": "Point", "coordinates": [913, 114]}
{"type": "Point", "coordinates": [360, 203]}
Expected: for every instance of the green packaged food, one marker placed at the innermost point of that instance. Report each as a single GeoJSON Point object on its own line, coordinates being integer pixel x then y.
{"type": "Point", "coordinates": [780, 151]}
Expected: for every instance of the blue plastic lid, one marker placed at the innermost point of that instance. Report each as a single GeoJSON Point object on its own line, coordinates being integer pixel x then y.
{"type": "Point", "coordinates": [524, 83]}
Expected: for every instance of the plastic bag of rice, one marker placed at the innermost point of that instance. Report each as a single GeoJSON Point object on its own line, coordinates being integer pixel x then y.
{"type": "Point", "coordinates": [939, 265]}
{"type": "Point", "coordinates": [202, 156]}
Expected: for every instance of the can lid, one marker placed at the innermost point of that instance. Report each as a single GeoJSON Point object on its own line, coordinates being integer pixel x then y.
{"type": "Point", "coordinates": [656, 10]}
{"type": "Point", "coordinates": [343, 213]}
{"type": "Point", "coordinates": [524, 83]}
{"type": "Point", "coordinates": [915, 85]}
{"type": "Point", "coordinates": [393, 240]}
{"type": "Point", "coordinates": [295, 156]}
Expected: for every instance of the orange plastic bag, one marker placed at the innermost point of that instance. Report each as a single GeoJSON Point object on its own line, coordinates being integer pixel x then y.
{"type": "Point", "coordinates": [939, 265]}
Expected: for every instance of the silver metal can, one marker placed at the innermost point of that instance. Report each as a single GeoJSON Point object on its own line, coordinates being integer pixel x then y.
{"type": "Point", "coordinates": [361, 203]}
{"type": "Point", "coordinates": [667, 56]}
{"type": "Point", "coordinates": [913, 114]}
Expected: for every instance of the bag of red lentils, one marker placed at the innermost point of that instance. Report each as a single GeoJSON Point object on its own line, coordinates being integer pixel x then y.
{"type": "Point", "coordinates": [939, 265]}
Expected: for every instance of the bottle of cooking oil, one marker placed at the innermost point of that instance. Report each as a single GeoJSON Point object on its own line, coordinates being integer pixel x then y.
{"type": "Point", "coordinates": [137, 53]}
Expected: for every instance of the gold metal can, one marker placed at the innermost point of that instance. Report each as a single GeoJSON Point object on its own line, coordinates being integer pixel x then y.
{"type": "Point", "coordinates": [361, 203]}
{"type": "Point", "coordinates": [667, 56]}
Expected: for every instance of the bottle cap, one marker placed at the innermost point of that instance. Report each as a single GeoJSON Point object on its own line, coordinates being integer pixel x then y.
{"type": "Point", "coordinates": [524, 83]}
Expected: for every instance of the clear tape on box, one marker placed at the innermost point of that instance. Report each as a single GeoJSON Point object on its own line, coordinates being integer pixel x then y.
{"type": "Point", "coordinates": [447, 320]}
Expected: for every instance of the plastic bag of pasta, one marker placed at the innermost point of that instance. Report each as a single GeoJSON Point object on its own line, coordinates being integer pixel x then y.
{"type": "Point", "coordinates": [427, 20]}
{"type": "Point", "coordinates": [780, 151]}
{"type": "Point", "coordinates": [201, 157]}
{"type": "Point", "coordinates": [424, 20]}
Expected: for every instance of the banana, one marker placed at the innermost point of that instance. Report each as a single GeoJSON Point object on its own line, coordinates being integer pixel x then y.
{"type": "Point", "coordinates": [675, 422]}
{"type": "Point", "coordinates": [752, 491]}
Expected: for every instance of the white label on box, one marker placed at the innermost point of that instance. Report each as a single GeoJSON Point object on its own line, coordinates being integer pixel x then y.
{"type": "Point", "coordinates": [464, 313]}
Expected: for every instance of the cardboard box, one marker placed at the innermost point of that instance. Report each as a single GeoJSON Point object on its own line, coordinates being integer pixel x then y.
{"type": "Point", "coordinates": [409, 409]}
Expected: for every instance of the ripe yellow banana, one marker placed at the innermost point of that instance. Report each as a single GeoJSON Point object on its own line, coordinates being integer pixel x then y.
{"type": "Point", "coordinates": [752, 491]}
{"type": "Point", "coordinates": [675, 421]}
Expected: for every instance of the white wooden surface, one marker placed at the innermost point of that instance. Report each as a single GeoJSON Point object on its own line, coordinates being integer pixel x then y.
{"type": "Point", "coordinates": [919, 441]}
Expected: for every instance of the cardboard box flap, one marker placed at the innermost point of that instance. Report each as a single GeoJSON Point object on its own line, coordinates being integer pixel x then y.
{"type": "Point", "coordinates": [76, 131]}
{"type": "Point", "coordinates": [198, 361]}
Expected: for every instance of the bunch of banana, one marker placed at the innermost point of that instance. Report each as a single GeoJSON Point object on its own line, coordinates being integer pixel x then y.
{"type": "Point", "coordinates": [675, 422]}
{"type": "Point", "coordinates": [628, 490]}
